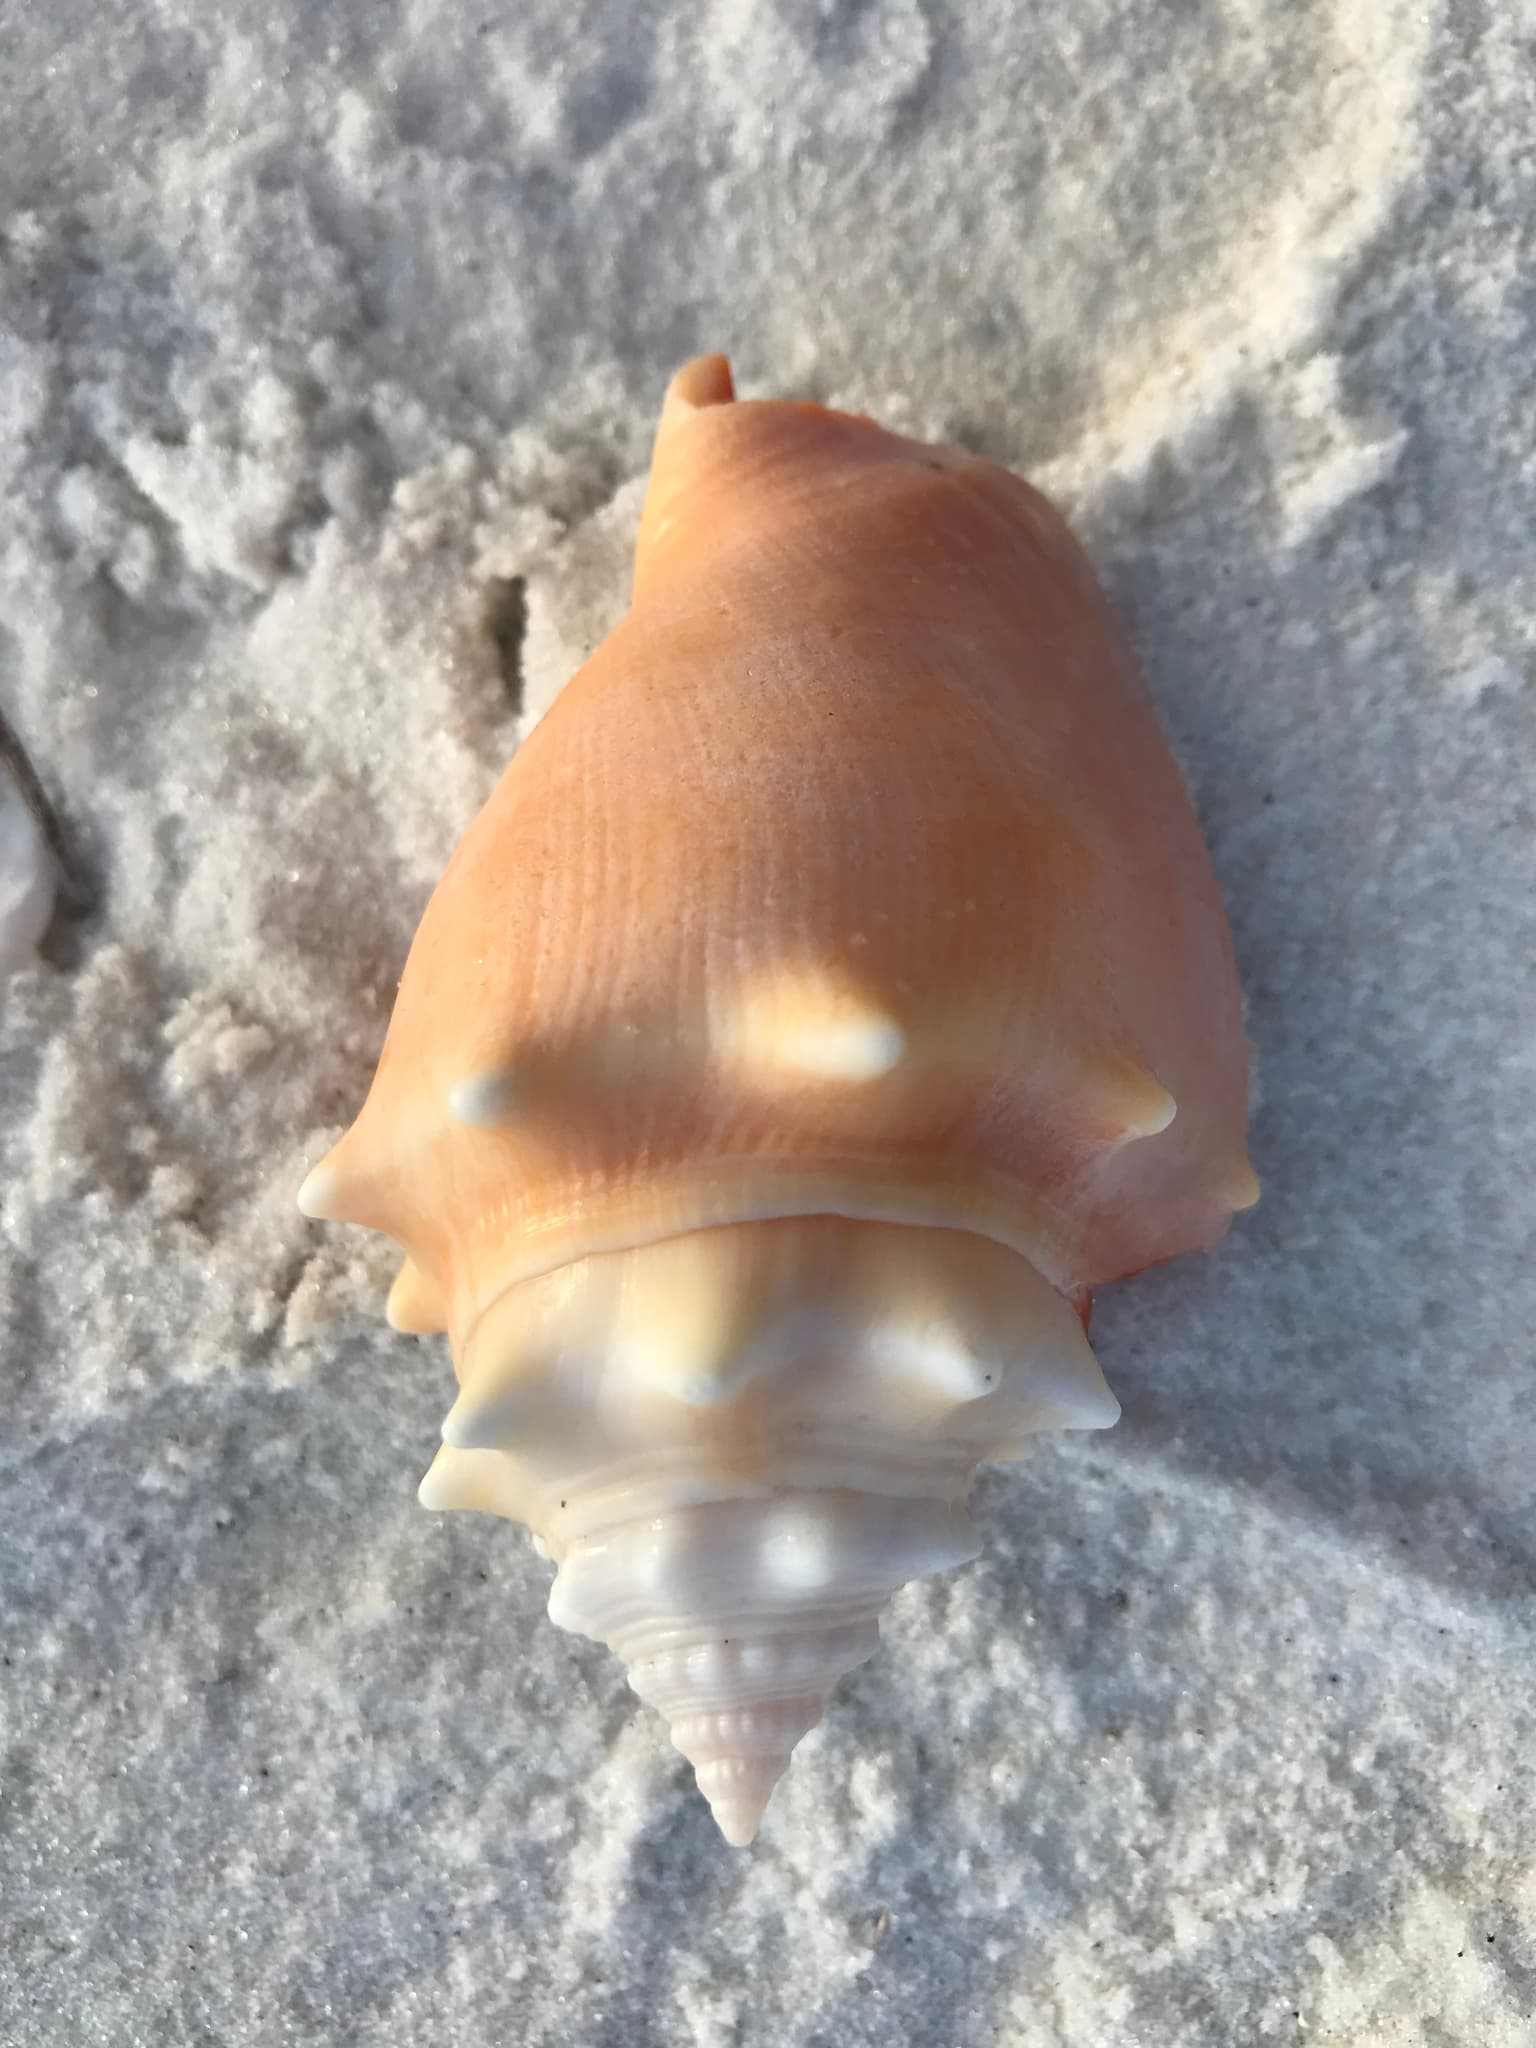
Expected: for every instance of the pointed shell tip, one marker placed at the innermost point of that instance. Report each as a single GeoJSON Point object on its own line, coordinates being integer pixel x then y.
{"type": "Point", "coordinates": [1099, 1410]}
{"type": "Point", "coordinates": [317, 1193]}
{"type": "Point", "coordinates": [793, 1026]}
{"type": "Point", "coordinates": [739, 1826]}
{"type": "Point", "coordinates": [704, 381]}
{"type": "Point", "coordinates": [862, 1047]}
{"type": "Point", "coordinates": [430, 1493]}
{"type": "Point", "coordinates": [738, 1790]}
{"type": "Point", "coordinates": [485, 1100]}
{"type": "Point", "coordinates": [413, 1305]}
{"type": "Point", "coordinates": [1154, 1113]}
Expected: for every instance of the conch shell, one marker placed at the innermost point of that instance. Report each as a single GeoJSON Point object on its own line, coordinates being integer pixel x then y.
{"type": "Point", "coordinates": [833, 992]}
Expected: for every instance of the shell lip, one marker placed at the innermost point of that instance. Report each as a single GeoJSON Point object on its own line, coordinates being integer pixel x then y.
{"type": "Point", "coordinates": [851, 1200]}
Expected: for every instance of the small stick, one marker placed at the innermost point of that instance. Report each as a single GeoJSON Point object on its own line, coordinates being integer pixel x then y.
{"type": "Point", "coordinates": [74, 887]}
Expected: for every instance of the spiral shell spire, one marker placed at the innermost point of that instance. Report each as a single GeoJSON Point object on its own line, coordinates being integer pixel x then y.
{"type": "Point", "coordinates": [738, 1443]}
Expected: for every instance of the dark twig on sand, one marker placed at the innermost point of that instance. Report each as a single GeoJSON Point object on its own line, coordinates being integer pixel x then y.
{"type": "Point", "coordinates": [73, 886]}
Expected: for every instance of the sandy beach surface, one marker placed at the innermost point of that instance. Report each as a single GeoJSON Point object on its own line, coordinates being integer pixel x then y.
{"type": "Point", "coordinates": [331, 340]}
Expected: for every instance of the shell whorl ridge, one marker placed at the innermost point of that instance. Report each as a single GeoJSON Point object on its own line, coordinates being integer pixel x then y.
{"type": "Point", "coordinates": [833, 992]}
{"type": "Point", "coordinates": [738, 1443]}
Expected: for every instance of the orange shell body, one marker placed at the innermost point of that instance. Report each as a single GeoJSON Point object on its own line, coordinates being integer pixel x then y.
{"type": "Point", "coordinates": [868, 743]}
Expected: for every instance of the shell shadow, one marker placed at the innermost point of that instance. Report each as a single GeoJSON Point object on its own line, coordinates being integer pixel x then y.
{"type": "Point", "coordinates": [1355, 1345]}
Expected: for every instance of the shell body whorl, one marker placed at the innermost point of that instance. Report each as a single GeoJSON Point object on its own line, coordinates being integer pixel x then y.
{"type": "Point", "coordinates": [833, 992]}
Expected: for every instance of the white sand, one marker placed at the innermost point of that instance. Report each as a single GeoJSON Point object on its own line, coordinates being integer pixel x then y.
{"type": "Point", "coordinates": [320, 326]}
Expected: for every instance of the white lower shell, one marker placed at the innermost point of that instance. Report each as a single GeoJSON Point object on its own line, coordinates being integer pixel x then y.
{"type": "Point", "coordinates": [738, 1443]}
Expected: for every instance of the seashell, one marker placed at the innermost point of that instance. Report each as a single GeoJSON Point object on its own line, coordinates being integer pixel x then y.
{"type": "Point", "coordinates": [833, 993]}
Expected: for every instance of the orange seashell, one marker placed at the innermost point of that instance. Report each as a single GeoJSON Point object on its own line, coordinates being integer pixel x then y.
{"type": "Point", "coordinates": [833, 992]}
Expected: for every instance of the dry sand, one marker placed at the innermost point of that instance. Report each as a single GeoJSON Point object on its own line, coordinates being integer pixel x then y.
{"type": "Point", "coordinates": [330, 342]}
